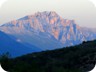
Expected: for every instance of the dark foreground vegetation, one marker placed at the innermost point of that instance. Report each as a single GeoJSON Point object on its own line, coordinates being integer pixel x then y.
{"type": "Point", "coordinates": [80, 58]}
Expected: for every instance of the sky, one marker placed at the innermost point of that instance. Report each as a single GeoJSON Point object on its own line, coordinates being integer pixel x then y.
{"type": "Point", "coordinates": [82, 11]}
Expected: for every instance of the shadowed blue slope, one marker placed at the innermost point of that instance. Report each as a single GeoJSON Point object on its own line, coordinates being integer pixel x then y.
{"type": "Point", "coordinates": [13, 47]}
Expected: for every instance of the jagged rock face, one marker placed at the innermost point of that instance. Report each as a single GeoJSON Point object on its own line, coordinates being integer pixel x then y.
{"type": "Point", "coordinates": [50, 28]}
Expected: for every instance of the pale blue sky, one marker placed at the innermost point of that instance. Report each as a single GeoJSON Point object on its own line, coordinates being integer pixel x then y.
{"type": "Point", "coordinates": [82, 11]}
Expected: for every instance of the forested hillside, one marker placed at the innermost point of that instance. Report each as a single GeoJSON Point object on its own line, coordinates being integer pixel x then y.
{"type": "Point", "coordinates": [80, 58]}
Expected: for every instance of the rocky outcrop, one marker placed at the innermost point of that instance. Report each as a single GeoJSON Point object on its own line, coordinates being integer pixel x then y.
{"type": "Point", "coordinates": [51, 26]}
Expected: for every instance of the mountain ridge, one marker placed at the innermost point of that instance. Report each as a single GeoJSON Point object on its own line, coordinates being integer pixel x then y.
{"type": "Point", "coordinates": [47, 30]}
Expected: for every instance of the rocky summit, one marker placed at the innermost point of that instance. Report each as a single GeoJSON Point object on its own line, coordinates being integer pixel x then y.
{"type": "Point", "coordinates": [47, 31]}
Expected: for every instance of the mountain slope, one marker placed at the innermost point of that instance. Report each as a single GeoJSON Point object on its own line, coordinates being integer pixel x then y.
{"type": "Point", "coordinates": [47, 30]}
{"type": "Point", "coordinates": [80, 58]}
{"type": "Point", "coordinates": [14, 48]}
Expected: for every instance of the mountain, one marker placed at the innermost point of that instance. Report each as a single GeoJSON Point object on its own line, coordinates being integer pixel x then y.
{"type": "Point", "coordinates": [8, 45]}
{"type": "Point", "coordinates": [47, 31]}
{"type": "Point", "coordinates": [79, 58]}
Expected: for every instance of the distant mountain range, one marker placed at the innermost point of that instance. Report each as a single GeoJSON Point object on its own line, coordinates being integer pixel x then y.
{"type": "Point", "coordinates": [46, 31]}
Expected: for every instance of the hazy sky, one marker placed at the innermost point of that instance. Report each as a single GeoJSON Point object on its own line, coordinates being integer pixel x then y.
{"type": "Point", "coordinates": [82, 11]}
